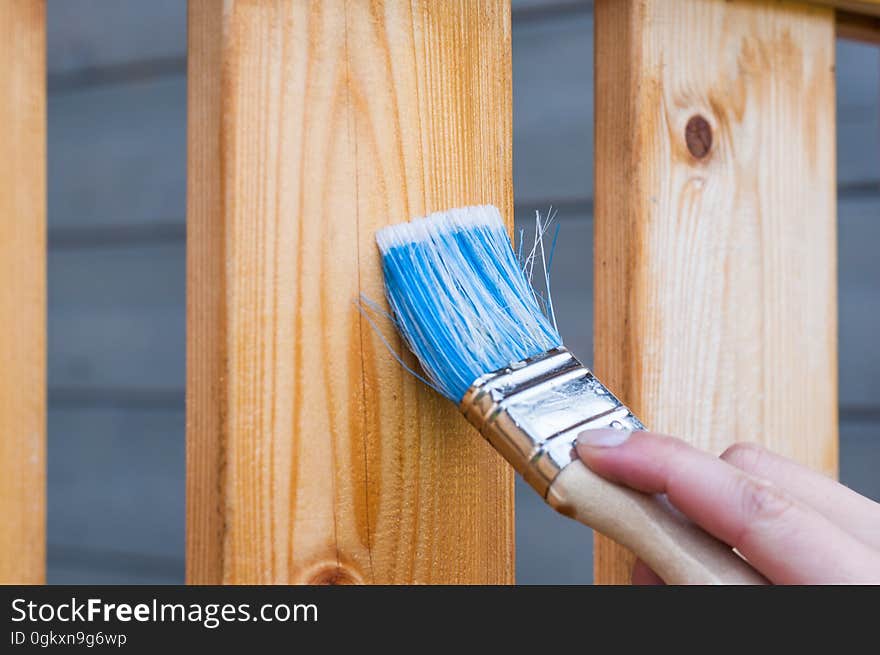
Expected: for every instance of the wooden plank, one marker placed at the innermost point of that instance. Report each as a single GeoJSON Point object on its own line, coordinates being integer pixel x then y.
{"type": "Point", "coordinates": [550, 548]}
{"type": "Point", "coordinates": [857, 72]}
{"type": "Point", "coordinates": [858, 27]}
{"type": "Point", "coordinates": [88, 35]}
{"type": "Point", "coordinates": [859, 445]}
{"type": "Point", "coordinates": [312, 457]}
{"type": "Point", "coordinates": [118, 157]}
{"type": "Point", "coordinates": [542, 8]}
{"type": "Point", "coordinates": [859, 310]}
{"type": "Point", "coordinates": [22, 292]}
{"type": "Point", "coordinates": [715, 265]}
{"type": "Point", "coordinates": [857, 68]}
{"type": "Point", "coordinates": [116, 483]}
{"type": "Point", "coordinates": [92, 569]}
{"type": "Point", "coordinates": [117, 318]}
{"type": "Point", "coordinates": [865, 7]}
{"type": "Point", "coordinates": [553, 109]}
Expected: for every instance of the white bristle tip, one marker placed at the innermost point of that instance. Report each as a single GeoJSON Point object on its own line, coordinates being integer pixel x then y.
{"type": "Point", "coordinates": [421, 229]}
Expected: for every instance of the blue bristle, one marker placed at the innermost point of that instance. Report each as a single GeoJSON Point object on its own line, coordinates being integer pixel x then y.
{"type": "Point", "coordinates": [459, 297]}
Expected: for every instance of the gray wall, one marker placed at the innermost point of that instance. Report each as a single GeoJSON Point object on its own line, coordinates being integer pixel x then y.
{"type": "Point", "coordinates": [117, 174]}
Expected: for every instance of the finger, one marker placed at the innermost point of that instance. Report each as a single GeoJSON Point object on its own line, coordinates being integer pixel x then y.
{"type": "Point", "coordinates": [643, 575]}
{"type": "Point", "coordinates": [854, 513]}
{"type": "Point", "coordinates": [785, 540]}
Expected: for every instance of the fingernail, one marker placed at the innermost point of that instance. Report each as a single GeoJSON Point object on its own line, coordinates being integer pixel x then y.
{"type": "Point", "coordinates": [603, 437]}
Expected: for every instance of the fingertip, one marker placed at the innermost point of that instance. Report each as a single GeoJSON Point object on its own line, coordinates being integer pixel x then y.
{"type": "Point", "coordinates": [594, 447]}
{"type": "Point", "coordinates": [745, 455]}
{"type": "Point", "coordinates": [618, 444]}
{"type": "Point", "coordinates": [603, 437]}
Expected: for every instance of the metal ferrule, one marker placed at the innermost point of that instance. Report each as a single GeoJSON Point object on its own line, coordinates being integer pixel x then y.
{"type": "Point", "coordinates": [533, 410]}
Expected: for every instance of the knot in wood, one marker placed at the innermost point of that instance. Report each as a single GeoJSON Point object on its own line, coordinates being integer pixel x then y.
{"type": "Point", "coordinates": [698, 136]}
{"type": "Point", "coordinates": [333, 574]}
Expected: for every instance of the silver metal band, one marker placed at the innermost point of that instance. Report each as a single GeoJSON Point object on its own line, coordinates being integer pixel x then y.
{"type": "Point", "coordinates": [533, 410]}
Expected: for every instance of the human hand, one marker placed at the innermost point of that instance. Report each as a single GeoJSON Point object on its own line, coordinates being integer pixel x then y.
{"type": "Point", "coordinates": [792, 524]}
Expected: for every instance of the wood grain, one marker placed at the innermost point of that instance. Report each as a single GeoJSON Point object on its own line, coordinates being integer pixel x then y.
{"type": "Point", "coordinates": [312, 456]}
{"type": "Point", "coordinates": [22, 292]}
{"type": "Point", "coordinates": [715, 279]}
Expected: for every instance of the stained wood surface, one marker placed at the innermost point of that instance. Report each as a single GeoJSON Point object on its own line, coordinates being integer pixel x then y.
{"type": "Point", "coordinates": [116, 218]}
{"type": "Point", "coordinates": [22, 292]}
{"type": "Point", "coordinates": [715, 284]}
{"type": "Point", "coordinates": [312, 456]}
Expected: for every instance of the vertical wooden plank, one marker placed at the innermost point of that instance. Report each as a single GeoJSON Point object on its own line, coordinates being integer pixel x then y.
{"type": "Point", "coordinates": [312, 456]}
{"type": "Point", "coordinates": [715, 263]}
{"type": "Point", "coordinates": [205, 300]}
{"type": "Point", "coordinates": [22, 292]}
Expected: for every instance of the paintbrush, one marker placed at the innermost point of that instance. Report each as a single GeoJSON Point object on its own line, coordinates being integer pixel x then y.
{"type": "Point", "coordinates": [466, 309]}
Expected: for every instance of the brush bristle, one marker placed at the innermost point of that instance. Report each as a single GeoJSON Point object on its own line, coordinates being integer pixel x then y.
{"type": "Point", "coordinates": [460, 298]}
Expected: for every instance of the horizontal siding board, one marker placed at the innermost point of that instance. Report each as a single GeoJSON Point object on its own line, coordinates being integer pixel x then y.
{"type": "Point", "coordinates": [858, 76]}
{"type": "Point", "coordinates": [523, 7]}
{"type": "Point", "coordinates": [571, 278]}
{"type": "Point", "coordinates": [117, 317]}
{"type": "Point", "coordinates": [117, 348]}
{"type": "Point", "coordinates": [550, 548]}
{"type": "Point", "coordinates": [117, 155]}
{"type": "Point", "coordinates": [859, 302]}
{"type": "Point", "coordinates": [93, 570]}
{"type": "Point", "coordinates": [859, 456]}
{"type": "Point", "coordinates": [116, 482]}
{"type": "Point", "coordinates": [91, 34]}
{"type": "Point", "coordinates": [858, 112]}
{"type": "Point", "coordinates": [553, 109]}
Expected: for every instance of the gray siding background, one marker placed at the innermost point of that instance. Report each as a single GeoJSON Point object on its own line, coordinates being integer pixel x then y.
{"type": "Point", "coordinates": [117, 182]}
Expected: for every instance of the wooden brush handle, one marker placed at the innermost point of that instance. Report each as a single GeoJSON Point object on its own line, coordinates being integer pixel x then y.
{"type": "Point", "coordinates": [677, 550]}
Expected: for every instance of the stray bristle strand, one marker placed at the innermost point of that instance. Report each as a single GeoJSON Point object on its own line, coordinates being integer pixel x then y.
{"type": "Point", "coordinates": [460, 298]}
